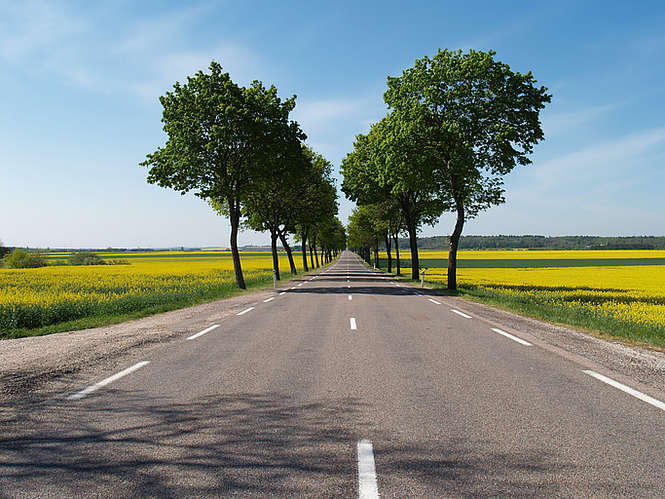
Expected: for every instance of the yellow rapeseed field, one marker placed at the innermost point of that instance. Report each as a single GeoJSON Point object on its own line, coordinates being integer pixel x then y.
{"type": "Point", "coordinates": [634, 293]}
{"type": "Point", "coordinates": [31, 298]}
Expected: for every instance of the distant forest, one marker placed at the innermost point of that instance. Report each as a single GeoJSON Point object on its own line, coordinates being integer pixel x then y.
{"type": "Point", "coordinates": [541, 243]}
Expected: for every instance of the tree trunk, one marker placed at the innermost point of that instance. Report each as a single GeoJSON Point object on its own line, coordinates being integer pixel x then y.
{"type": "Point", "coordinates": [303, 239]}
{"type": "Point", "coordinates": [289, 253]}
{"type": "Point", "coordinates": [397, 255]}
{"type": "Point", "coordinates": [390, 258]}
{"type": "Point", "coordinates": [413, 242]}
{"type": "Point", "coordinates": [311, 255]}
{"type": "Point", "coordinates": [316, 255]}
{"type": "Point", "coordinates": [376, 253]}
{"type": "Point", "coordinates": [275, 258]}
{"type": "Point", "coordinates": [234, 216]}
{"type": "Point", "coordinates": [454, 243]}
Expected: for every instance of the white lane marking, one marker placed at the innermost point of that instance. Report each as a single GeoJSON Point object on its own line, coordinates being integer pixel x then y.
{"type": "Point", "coordinates": [434, 301]}
{"type": "Point", "coordinates": [350, 297]}
{"type": "Point", "coordinates": [301, 284]}
{"type": "Point", "coordinates": [514, 338]}
{"type": "Point", "coordinates": [348, 286]}
{"type": "Point", "coordinates": [462, 314]}
{"type": "Point", "coordinates": [292, 287]}
{"type": "Point", "coordinates": [631, 391]}
{"type": "Point", "coordinates": [245, 311]}
{"type": "Point", "coordinates": [352, 321]}
{"type": "Point", "coordinates": [104, 382]}
{"type": "Point", "coordinates": [205, 331]}
{"type": "Point", "coordinates": [269, 299]}
{"type": "Point", "coordinates": [367, 487]}
{"type": "Point", "coordinates": [282, 293]}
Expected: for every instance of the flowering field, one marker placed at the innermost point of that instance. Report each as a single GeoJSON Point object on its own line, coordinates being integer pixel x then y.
{"type": "Point", "coordinates": [627, 287]}
{"type": "Point", "coordinates": [33, 298]}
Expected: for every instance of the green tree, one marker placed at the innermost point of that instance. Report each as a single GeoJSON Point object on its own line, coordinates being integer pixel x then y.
{"type": "Point", "coordinates": [3, 249]}
{"type": "Point", "coordinates": [270, 201]}
{"type": "Point", "coordinates": [474, 120]}
{"type": "Point", "coordinates": [388, 164]}
{"type": "Point", "coordinates": [220, 137]}
{"type": "Point", "coordinates": [22, 259]}
{"type": "Point", "coordinates": [317, 201]}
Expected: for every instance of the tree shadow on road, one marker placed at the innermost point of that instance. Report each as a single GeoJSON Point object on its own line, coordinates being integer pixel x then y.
{"type": "Point", "coordinates": [254, 445]}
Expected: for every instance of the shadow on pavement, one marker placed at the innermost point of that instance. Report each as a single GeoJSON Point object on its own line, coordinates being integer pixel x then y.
{"type": "Point", "coordinates": [259, 445]}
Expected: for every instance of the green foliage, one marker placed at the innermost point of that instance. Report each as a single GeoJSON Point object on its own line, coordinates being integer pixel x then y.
{"type": "Point", "coordinates": [474, 118]}
{"type": "Point", "coordinates": [22, 259]}
{"type": "Point", "coordinates": [86, 258]}
{"type": "Point", "coordinates": [3, 250]}
{"type": "Point", "coordinates": [222, 139]}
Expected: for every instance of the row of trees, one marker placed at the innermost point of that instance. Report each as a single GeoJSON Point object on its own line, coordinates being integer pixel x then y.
{"type": "Point", "coordinates": [457, 123]}
{"type": "Point", "coordinates": [237, 148]}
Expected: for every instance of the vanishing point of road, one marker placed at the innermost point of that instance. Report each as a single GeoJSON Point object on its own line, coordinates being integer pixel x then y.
{"type": "Point", "coordinates": [345, 383]}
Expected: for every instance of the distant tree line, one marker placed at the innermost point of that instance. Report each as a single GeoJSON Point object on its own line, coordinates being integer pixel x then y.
{"type": "Point", "coordinates": [545, 242]}
{"type": "Point", "coordinates": [238, 149]}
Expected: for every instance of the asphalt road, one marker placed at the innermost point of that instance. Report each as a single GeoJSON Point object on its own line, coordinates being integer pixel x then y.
{"type": "Point", "coordinates": [344, 384]}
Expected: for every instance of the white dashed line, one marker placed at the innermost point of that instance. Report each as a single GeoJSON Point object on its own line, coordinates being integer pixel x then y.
{"type": "Point", "coordinates": [367, 487]}
{"type": "Point", "coordinates": [352, 321]}
{"type": "Point", "coordinates": [461, 314]}
{"type": "Point", "coordinates": [434, 301]}
{"type": "Point", "coordinates": [514, 338]}
{"type": "Point", "coordinates": [269, 299]}
{"type": "Point", "coordinates": [350, 297]}
{"type": "Point", "coordinates": [111, 379]}
{"type": "Point", "coordinates": [245, 311]}
{"type": "Point", "coordinates": [282, 293]}
{"type": "Point", "coordinates": [205, 331]}
{"type": "Point", "coordinates": [643, 397]}
{"type": "Point", "coordinates": [301, 284]}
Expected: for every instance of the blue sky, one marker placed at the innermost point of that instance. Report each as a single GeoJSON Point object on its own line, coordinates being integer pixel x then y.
{"type": "Point", "coordinates": [80, 81]}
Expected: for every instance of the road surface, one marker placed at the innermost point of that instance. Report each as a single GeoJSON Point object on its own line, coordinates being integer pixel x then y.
{"type": "Point", "coordinates": [346, 383]}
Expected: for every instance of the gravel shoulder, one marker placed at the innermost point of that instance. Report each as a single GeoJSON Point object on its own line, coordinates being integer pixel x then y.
{"type": "Point", "coordinates": [641, 368]}
{"type": "Point", "coordinates": [35, 368]}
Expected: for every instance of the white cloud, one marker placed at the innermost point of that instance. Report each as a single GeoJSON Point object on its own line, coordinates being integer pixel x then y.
{"type": "Point", "coordinates": [144, 61]}
{"type": "Point", "coordinates": [559, 123]}
{"type": "Point", "coordinates": [595, 163]}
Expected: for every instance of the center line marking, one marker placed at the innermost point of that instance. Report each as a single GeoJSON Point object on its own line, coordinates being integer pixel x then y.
{"type": "Point", "coordinates": [352, 320]}
{"type": "Point", "coordinates": [643, 397]}
{"type": "Point", "coordinates": [350, 297]}
{"type": "Point", "coordinates": [104, 382]}
{"type": "Point", "coordinates": [462, 314]}
{"type": "Point", "coordinates": [434, 301]}
{"type": "Point", "coordinates": [301, 284]}
{"type": "Point", "coordinates": [269, 299]}
{"type": "Point", "coordinates": [367, 487]}
{"type": "Point", "coordinates": [514, 338]}
{"type": "Point", "coordinates": [245, 311]}
{"type": "Point", "coordinates": [206, 330]}
{"type": "Point", "coordinates": [282, 293]}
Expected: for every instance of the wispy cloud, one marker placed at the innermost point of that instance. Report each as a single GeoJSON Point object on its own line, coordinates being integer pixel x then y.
{"type": "Point", "coordinates": [144, 60]}
{"type": "Point", "coordinates": [558, 123]}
